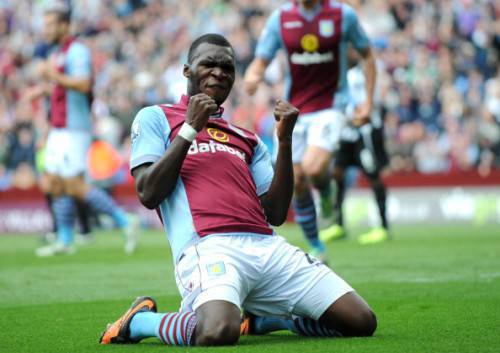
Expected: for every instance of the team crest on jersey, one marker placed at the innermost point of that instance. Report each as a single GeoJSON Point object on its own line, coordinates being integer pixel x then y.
{"type": "Point", "coordinates": [216, 269]}
{"type": "Point", "coordinates": [309, 43]}
{"type": "Point", "coordinates": [218, 135]}
{"type": "Point", "coordinates": [326, 28]}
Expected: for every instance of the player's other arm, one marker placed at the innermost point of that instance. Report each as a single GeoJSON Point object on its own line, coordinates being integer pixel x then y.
{"type": "Point", "coordinates": [78, 83]}
{"type": "Point", "coordinates": [254, 75]}
{"type": "Point", "coordinates": [277, 199]}
{"type": "Point", "coordinates": [35, 92]}
{"type": "Point", "coordinates": [78, 73]}
{"type": "Point", "coordinates": [357, 36]}
{"type": "Point", "coordinates": [267, 46]}
{"type": "Point", "coordinates": [370, 72]}
{"type": "Point", "coordinates": [81, 84]}
{"type": "Point", "coordinates": [154, 182]}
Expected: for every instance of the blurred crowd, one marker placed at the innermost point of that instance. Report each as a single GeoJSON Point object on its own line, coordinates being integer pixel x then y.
{"type": "Point", "coordinates": [439, 76]}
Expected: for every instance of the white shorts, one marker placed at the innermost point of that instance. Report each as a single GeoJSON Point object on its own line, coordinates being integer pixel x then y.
{"type": "Point", "coordinates": [262, 274]}
{"type": "Point", "coordinates": [66, 152]}
{"type": "Point", "coordinates": [321, 129]}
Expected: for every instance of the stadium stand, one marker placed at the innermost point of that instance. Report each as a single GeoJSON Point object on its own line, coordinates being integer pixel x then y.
{"type": "Point", "coordinates": [439, 83]}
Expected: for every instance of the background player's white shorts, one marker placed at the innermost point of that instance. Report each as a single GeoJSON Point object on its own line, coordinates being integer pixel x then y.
{"type": "Point", "coordinates": [262, 274]}
{"type": "Point", "coordinates": [320, 129]}
{"type": "Point", "coordinates": [66, 152]}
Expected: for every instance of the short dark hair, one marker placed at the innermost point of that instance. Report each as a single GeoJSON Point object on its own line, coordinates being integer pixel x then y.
{"type": "Point", "coordinates": [210, 38]}
{"type": "Point", "coordinates": [61, 10]}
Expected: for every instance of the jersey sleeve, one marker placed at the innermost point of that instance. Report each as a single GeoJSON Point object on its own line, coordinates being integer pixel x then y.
{"type": "Point", "coordinates": [270, 40]}
{"type": "Point", "coordinates": [79, 62]}
{"type": "Point", "coordinates": [149, 135]}
{"type": "Point", "coordinates": [261, 168]}
{"type": "Point", "coordinates": [355, 33]}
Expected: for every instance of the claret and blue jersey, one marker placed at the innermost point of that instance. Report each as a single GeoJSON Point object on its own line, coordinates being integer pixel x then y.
{"type": "Point", "coordinates": [202, 202]}
{"type": "Point", "coordinates": [70, 108]}
{"type": "Point", "coordinates": [316, 46]}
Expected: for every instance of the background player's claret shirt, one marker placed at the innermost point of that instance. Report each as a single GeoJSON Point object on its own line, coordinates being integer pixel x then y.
{"type": "Point", "coordinates": [69, 108]}
{"type": "Point", "coordinates": [316, 46]}
{"type": "Point", "coordinates": [225, 171]}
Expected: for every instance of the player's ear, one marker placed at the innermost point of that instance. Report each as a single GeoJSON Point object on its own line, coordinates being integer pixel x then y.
{"type": "Point", "coordinates": [186, 71]}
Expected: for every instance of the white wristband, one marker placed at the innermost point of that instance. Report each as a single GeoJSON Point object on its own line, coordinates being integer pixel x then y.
{"type": "Point", "coordinates": [187, 132]}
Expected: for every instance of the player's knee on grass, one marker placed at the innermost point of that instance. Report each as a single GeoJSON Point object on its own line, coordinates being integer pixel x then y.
{"type": "Point", "coordinates": [351, 316]}
{"type": "Point", "coordinates": [363, 323]}
{"type": "Point", "coordinates": [218, 324]}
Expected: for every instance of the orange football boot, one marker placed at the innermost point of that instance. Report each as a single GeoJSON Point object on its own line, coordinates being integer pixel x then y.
{"type": "Point", "coordinates": [247, 323]}
{"type": "Point", "coordinates": [119, 331]}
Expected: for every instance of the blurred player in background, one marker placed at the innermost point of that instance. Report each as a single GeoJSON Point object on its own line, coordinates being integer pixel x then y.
{"type": "Point", "coordinates": [69, 70]}
{"type": "Point", "coordinates": [218, 196]}
{"type": "Point", "coordinates": [315, 35]}
{"type": "Point", "coordinates": [362, 146]}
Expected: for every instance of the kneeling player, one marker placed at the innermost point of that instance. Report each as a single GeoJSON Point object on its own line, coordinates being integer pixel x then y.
{"type": "Point", "coordinates": [218, 207]}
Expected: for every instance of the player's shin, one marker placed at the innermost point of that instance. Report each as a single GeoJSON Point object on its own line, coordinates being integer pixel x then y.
{"type": "Point", "coordinates": [339, 201]}
{"type": "Point", "coordinates": [312, 328]}
{"type": "Point", "coordinates": [298, 325]}
{"type": "Point", "coordinates": [380, 197]}
{"type": "Point", "coordinates": [101, 202]}
{"type": "Point", "coordinates": [174, 329]}
{"type": "Point", "coordinates": [64, 214]}
{"type": "Point", "coordinates": [305, 216]}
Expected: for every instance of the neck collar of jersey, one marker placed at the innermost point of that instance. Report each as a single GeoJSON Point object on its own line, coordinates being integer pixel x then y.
{"type": "Point", "coordinates": [309, 15]}
{"type": "Point", "coordinates": [67, 42]}
{"type": "Point", "coordinates": [185, 101]}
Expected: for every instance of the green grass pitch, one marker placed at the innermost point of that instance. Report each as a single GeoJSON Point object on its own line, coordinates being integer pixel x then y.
{"type": "Point", "coordinates": [434, 289]}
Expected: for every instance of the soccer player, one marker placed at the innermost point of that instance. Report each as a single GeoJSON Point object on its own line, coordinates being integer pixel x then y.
{"type": "Point", "coordinates": [218, 196]}
{"type": "Point", "coordinates": [315, 35]}
{"type": "Point", "coordinates": [69, 69]}
{"type": "Point", "coordinates": [362, 146]}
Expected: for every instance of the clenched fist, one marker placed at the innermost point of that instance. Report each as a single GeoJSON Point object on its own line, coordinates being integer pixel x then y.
{"type": "Point", "coordinates": [286, 116]}
{"type": "Point", "coordinates": [199, 109]}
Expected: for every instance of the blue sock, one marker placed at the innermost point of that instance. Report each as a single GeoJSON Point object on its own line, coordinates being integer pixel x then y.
{"type": "Point", "coordinates": [102, 202]}
{"type": "Point", "coordinates": [64, 214]}
{"type": "Point", "coordinates": [175, 329]}
{"type": "Point", "coordinates": [305, 216]}
{"type": "Point", "coordinates": [145, 325]}
{"type": "Point", "coordinates": [263, 325]}
{"type": "Point", "coordinates": [299, 325]}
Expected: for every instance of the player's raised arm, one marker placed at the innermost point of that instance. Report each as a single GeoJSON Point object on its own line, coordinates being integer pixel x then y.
{"type": "Point", "coordinates": [254, 75]}
{"type": "Point", "coordinates": [277, 200]}
{"type": "Point", "coordinates": [267, 46]}
{"type": "Point", "coordinates": [154, 182]}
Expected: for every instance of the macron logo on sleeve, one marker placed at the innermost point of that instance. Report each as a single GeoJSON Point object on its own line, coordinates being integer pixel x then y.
{"type": "Point", "coordinates": [214, 147]}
